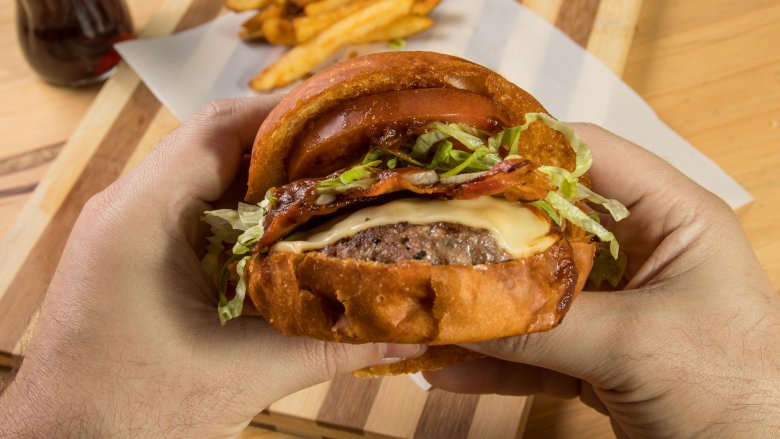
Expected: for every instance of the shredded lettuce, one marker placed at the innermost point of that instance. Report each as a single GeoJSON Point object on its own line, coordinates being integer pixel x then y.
{"type": "Point", "coordinates": [425, 142]}
{"type": "Point", "coordinates": [230, 309]}
{"type": "Point", "coordinates": [245, 217]}
{"type": "Point", "coordinates": [607, 268]}
{"type": "Point", "coordinates": [246, 240]}
{"type": "Point", "coordinates": [363, 183]}
{"type": "Point", "coordinates": [451, 161]}
{"type": "Point", "coordinates": [396, 43]}
{"type": "Point", "coordinates": [468, 161]}
{"type": "Point", "coordinates": [574, 215]}
{"type": "Point", "coordinates": [242, 227]}
{"type": "Point", "coordinates": [442, 155]}
{"type": "Point", "coordinates": [356, 173]}
{"type": "Point", "coordinates": [373, 155]}
{"type": "Point", "coordinates": [215, 247]}
{"type": "Point", "coordinates": [563, 179]}
{"type": "Point", "coordinates": [509, 137]}
{"type": "Point", "coordinates": [383, 154]}
{"type": "Point", "coordinates": [435, 147]}
{"type": "Point", "coordinates": [545, 206]}
{"type": "Point", "coordinates": [615, 207]}
{"type": "Point", "coordinates": [229, 226]}
{"type": "Point", "coordinates": [250, 215]}
{"type": "Point", "coordinates": [466, 135]}
{"type": "Point", "coordinates": [359, 176]}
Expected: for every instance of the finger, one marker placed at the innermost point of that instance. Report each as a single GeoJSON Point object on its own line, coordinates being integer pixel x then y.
{"type": "Point", "coordinates": [274, 365]}
{"type": "Point", "coordinates": [589, 397]}
{"type": "Point", "coordinates": [662, 201]}
{"type": "Point", "coordinates": [592, 340]}
{"type": "Point", "coordinates": [199, 160]}
{"type": "Point", "coordinates": [491, 375]}
{"type": "Point", "coordinates": [628, 172]}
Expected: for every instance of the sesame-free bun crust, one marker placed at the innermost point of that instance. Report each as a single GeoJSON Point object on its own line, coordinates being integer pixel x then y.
{"type": "Point", "coordinates": [391, 71]}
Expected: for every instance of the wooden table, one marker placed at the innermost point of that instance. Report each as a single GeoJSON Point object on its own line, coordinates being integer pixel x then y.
{"type": "Point", "coordinates": [710, 68]}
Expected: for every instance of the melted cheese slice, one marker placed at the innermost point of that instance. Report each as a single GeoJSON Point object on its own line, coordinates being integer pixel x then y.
{"type": "Point", "coordinates": [518, 229]}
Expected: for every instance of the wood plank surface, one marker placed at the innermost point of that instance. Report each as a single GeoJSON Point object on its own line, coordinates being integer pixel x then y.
{"type": "Point", "coordinates": [709, 67]}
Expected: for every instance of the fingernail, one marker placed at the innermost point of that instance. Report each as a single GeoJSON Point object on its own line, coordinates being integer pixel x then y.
{"type": "Point", "coordinates": [392, 353]}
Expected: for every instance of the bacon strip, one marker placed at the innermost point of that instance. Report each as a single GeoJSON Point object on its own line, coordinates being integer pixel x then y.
{"type": "Point", "coordinates": [515, 180]}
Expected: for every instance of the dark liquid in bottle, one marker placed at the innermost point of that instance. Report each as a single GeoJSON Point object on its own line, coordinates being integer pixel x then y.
{"type": "Point", "coordinates": [70, 42]}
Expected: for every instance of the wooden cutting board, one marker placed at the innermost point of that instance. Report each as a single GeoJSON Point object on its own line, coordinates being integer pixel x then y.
{"type": "Point", "coordinates": [124, 123]}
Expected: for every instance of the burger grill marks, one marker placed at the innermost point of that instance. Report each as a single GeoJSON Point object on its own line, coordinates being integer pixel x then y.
{"type": "Point", "coordinates": [448, 160]}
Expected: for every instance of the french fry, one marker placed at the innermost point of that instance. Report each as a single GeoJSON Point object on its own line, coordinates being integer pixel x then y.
{"type": "Point", "coordinates": [424, 7]}
{"type": "Point", "coordinates": [251, 34]}
{"type": "Point", "coordinates": [246, 5]}
{"type": "Point", "coordinates": [302, 3]}
{"type": "Point", "coordinates": [279, 30]}
{"type": "Point", "coordinates": [302, 58]}
{"type": "Point", "coordinates": [322, 6]}
{"type": "Point", "coordinates": [256, 21]}
{"type": "Point", "coordinates": [401, 28]}
{"type": "Point", "coordinates": [253, 28]}
{"type": "Point", "coordinates": [308, 26]}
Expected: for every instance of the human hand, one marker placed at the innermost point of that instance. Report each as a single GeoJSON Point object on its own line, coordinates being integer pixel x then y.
{"type": "Point", "coordinates": [690, 347]}
{"type": "Point", "coordinates": [128, 341]}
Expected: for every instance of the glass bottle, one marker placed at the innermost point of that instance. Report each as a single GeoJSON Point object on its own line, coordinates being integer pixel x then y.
{"type": "Point", "coordinates": [70, 42]}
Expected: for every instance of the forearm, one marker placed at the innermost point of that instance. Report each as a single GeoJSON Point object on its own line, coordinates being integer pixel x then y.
{"type": "Point", "coordinates": [42, 404]}
{"type": "Point", "coordinates": [45, 405]}
{"type": "Point", "coordinates": [23, 413]}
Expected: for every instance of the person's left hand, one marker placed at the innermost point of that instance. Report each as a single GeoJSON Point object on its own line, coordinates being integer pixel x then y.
{"type": "Point", "coordinates": [128, 341]}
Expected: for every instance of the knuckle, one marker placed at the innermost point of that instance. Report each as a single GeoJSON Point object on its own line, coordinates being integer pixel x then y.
{"type": "Point", "coordinates": [325, 359]}
{"type": "Point", "coordinates": [330, 359]}
{"type": "Point", "coordinates": [217, 109]}
{"type": "Point", "coordinates": [587, 127]}
{"type": "Point", "coordinates": [96, 207]}
{"type": "Point", "coordinates": [513, 348]}
{"type": "Point", "coordinates": [105, 208]}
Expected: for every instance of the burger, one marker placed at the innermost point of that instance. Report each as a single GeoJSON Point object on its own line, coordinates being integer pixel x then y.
{"type": "Point", "coordinates": [411, 197]}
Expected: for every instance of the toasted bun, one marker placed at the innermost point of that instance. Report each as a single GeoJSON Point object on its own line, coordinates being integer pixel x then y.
{"type": "Point", "coordinates": [392, 71]}
{"type": "Point", "coordinates": [356, 301]}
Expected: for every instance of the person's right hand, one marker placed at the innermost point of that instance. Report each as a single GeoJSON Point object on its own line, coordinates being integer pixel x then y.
{"type": "Point", "coordinates": [691, 347]}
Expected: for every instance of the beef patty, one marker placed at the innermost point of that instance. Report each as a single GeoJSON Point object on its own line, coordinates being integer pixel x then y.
{"type": "Point", "coordinates": [436, 243]}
